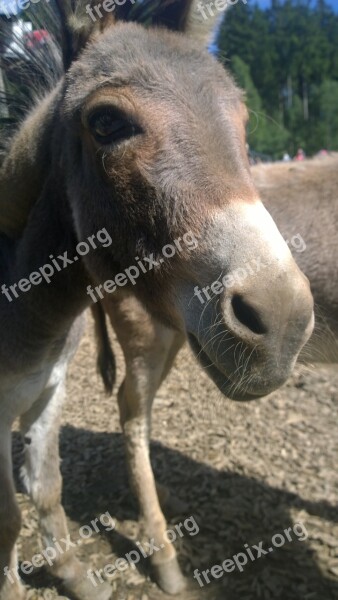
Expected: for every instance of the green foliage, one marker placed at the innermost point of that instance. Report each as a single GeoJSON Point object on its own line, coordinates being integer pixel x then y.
{"type": "Point", "coordinates": [329, 112]}
{"type": "Point", "coordinates": [265, 135]}
{"type": "Point", "coordinates": [285, 57]}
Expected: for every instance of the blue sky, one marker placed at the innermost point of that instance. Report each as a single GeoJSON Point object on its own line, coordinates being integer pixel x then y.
{"type": "Point", "coordinates": [267, 3]}
{"type": "Point", "coordinates": [10, 5]}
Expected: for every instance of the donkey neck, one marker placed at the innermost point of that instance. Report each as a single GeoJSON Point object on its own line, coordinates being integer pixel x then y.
{"type": "Point", "coordinates": [27, 160]}
{"type": "Point", "coordinates": [36, 322]}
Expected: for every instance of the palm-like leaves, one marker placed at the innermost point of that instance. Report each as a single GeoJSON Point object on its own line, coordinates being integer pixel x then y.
{"type": "Point", "coordinates": [26, 72]}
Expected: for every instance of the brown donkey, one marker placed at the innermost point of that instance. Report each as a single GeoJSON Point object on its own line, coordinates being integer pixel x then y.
{"type": "Point", "coordinates": [304, 202]}
{"type": "Point", "coordinates": [141, 145]}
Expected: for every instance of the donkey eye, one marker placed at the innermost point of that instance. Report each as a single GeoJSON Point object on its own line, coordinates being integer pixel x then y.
{"type": "Point", "coordinates": [108, 128]}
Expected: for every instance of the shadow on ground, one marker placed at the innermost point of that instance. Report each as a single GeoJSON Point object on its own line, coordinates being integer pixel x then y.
{"type": "Point", "coordinates": [231, 510]}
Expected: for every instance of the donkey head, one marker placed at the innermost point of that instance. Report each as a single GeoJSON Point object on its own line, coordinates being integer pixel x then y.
{"type": "Point", "coordinates": [155, 152]}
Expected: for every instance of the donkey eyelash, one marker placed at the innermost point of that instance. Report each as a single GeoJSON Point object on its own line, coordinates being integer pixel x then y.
{"type": "Point", "coordinates": [108, 127]}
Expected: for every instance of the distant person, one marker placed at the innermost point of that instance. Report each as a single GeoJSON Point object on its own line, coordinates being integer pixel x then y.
{"type": "Point", "coordinates": [300, 154]}
{"type": "Point", "coordinates": [286, 157]}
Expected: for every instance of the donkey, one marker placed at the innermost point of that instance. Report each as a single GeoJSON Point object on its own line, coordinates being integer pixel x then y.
{"type": "Point", "coordinates": [143, 139]}
{"type": "Point", "coordinates": [303, 200]}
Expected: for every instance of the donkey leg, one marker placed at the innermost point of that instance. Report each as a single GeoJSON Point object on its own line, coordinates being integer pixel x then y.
{"type": "Point", "coordinates": [10, 523]}
{"type": "Point", "coordinates": [40, 428]}
{"type": "Point", "coordinates": [149, 350]}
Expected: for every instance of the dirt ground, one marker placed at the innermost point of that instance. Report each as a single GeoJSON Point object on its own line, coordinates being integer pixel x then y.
{"type": "Point", "coordinates": [245, 471]}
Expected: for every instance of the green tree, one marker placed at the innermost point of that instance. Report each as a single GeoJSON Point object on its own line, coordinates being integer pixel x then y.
{"type": "Point", "coordinates": [329, 113]}
{"type": "Point", "coordinates": [290, 51]}
{"type": "Point", "coordinates": [264, 135]}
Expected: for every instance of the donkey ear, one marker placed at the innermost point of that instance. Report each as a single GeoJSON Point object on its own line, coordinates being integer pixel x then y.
{"type": "Point", "coordinates": [203, 18]}
{"type": "Point", "coordinates": [197, 18]}
{"type": "Point", "coordinates": [79, 22]}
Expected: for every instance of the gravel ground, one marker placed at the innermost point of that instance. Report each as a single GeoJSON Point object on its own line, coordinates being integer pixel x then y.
{"type": "Point", "coordinates": [245, 471]}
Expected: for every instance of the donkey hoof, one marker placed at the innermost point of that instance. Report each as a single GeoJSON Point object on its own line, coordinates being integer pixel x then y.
{"type": "Point", "coordinates": [85, 590]}
{"type": "Point", "coordinates": [169, 577]}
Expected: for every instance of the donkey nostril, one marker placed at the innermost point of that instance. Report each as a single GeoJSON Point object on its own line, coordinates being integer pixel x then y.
{"type": "Point", "coordinates": [247, 315]}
